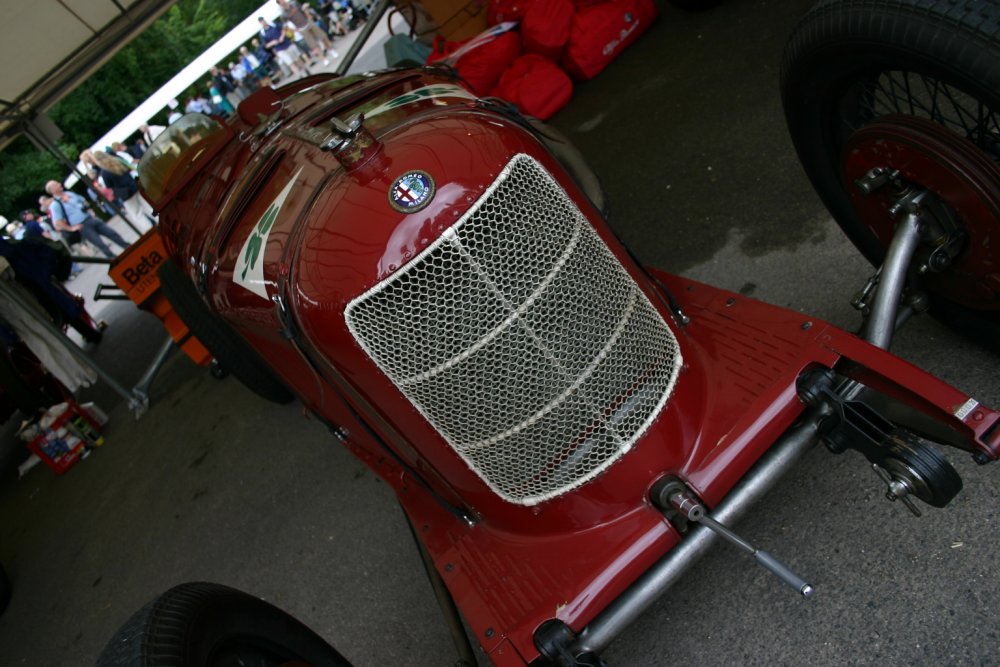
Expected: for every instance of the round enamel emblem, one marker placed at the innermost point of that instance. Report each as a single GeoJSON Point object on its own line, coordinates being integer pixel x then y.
{"type": "Point", "coordinates": [412, 191]}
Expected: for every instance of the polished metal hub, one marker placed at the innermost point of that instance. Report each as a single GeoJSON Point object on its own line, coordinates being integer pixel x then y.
{"type": "Point", "coordinates": [896, 158]}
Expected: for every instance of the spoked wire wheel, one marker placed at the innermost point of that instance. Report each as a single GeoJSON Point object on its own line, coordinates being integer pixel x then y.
{"type": "Point", "coordinates": [901, 92]}
{"type": "Point", "coordinates": [911, 87]}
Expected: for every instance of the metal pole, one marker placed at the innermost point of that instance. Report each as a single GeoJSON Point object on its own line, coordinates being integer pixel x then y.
{"type": "Point", "coordinates": [83, 259]}
{"type": "Point", "coordinates": [141, 389]}
{"type": "Point", "coordinates": [654, 582]}
{"type": "Point", "coordinates": [352, 53]}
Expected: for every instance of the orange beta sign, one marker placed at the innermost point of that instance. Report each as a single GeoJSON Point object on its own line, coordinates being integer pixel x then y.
{"type": "Point", "coordinates": [134, 271]}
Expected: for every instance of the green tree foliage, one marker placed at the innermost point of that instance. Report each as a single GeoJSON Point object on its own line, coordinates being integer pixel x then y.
{"type": "Point", "coordinates": [99, 103]}
{"type": "Point", "coordinates": [23, 173]}
{"type": "Point", "coordinates": [180, 35]}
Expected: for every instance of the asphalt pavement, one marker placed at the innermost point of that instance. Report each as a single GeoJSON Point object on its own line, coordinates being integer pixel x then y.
{"type": "Point", "coordinates": [214, 484]}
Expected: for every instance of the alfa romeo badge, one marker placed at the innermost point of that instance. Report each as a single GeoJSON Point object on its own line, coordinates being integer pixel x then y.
{"type": "Point", "coordinates": [412, 191]}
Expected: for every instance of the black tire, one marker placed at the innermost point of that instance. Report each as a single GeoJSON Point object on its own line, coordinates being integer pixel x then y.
{"type": "Point", "coordinates": [231, 351]}
{"type": "Point", "coordinates": [850, 63]}
{"type": "Point", "coordinates": [208, 625]}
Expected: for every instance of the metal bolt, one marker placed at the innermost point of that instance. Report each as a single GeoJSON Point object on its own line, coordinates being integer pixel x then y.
{"type": "Point", "coordinates": [449, 567]}
{"type": "Point", "coordinates": [873, 180]}
{"type": "Point", "coordinates": [489, 632]}
{"type": "Point", "coordinates": [806, 326]}
{"type": "Point", "coordinates": [938, 261]}
{"type": "Point", "coordinates": [689, 508]}
{"type": "Point", "coordinates": [730, 301]}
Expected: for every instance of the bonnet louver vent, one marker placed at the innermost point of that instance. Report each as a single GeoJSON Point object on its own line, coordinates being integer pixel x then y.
{"type": "Point", "coordinates": [247, 193]}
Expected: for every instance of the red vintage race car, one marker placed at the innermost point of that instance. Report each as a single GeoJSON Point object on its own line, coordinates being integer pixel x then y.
{"type": "Point", "coordinates": [566, 429]}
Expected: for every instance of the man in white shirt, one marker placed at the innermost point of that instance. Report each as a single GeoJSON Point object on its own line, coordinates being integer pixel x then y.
{"type": "Point", "coordinates": [150, 132]}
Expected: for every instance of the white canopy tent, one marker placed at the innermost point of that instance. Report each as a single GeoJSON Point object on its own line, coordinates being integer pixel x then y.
{"type": "Point", "coordinates": [52, 46]}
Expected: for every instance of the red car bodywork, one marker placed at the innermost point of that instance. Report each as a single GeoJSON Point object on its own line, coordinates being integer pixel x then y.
{"type": "Point", "coordinates": [335, 236]}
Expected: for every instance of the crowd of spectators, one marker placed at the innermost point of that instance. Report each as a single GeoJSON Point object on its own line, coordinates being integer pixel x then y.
{"type": "Point", "coordinates": [300, 38]}
{"type": "Point", "coordinates": [40, 244]}
{"type": "Point", "coordinates": [38, 249]}
{"type": "Point", "coordinates": [80, 223]}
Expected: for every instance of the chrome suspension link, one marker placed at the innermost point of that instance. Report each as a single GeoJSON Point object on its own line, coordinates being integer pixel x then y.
{"type": "Point", "coordinates": [881, 322]}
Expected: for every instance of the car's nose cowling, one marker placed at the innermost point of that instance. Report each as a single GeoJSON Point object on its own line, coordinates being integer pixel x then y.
{"type": "Point", "coordinates": [522, 339]}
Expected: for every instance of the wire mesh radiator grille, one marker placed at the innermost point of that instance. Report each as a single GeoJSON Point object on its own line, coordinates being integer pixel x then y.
{"type": "Point", "coordinates": [523, 340]}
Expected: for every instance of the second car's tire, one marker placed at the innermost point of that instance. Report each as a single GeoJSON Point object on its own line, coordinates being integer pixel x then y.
{"type": "Point", "coordinates": [231, 351]}
{"type": "Point", "coordinates": [924, 70]}
{"type": "Point", "coordinates": [208, 625]}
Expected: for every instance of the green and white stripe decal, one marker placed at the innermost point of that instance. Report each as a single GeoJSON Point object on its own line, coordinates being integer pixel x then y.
{"type": "Point", "coordinates": [250, 263]}
{"type": "Point", "coordinates": [439, 90]}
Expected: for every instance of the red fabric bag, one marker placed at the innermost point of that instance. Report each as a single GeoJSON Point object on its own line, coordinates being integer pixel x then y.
{"type": "Point", "coordinates": [499, 11]}
{"type": "Point", "coordinates": [537, 86]}
{"type": "Point", "coordinates": [601, 32]}
{"type": "Point", "coordinates": [442, 48]}
{"type": "Point", "coordinates": [482, 66]}
{"type": "Point", "coordinates": [546, 27]}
